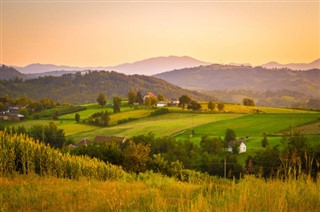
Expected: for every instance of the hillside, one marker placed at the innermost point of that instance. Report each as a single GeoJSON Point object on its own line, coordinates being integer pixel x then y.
{"type": "Point", "coordinates": [8, 73]}
{"type": "Point", "coordinates": [77, 88]}
{"type": "Point", "coordinates": [148, 66]}
{"type": "Point", "coordinates": [214, 77]}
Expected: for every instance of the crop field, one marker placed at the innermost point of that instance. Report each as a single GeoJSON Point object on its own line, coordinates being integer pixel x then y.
{"type": "Point", "coordinates": [254, 124]}
{"type": "Point", "coordinates": [163, 125]}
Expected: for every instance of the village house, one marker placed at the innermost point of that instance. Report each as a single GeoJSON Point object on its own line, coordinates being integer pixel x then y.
{"type": "Point", "coordinates": [12, 114]}
{"type": "Point", "coordinates": [161, 104]}
{"type": "Point", "coordinates": [242, 146]}
{"type": "Point", "coordinates": [150, 95]}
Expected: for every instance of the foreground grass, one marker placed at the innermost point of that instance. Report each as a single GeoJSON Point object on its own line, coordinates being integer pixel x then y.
{"type": "Point", "coordinates": [152, 192]}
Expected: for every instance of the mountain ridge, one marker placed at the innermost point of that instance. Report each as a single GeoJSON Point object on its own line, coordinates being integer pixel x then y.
{"type": "Point", "coordinates": [148, 66]}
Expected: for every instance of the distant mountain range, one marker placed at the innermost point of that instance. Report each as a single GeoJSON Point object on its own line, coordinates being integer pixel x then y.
{"type": "Point", "coordinates": [149, 66]}
{"type": "Point", "coordinates": [215, 77]}
{"type": "Point", "coordinates": [294, 66]}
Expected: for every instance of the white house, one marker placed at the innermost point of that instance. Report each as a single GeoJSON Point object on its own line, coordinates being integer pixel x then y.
{"type": "Point", "coordinates": [242, 148]}
{"type": "Point", "coordinates": [161, 104]}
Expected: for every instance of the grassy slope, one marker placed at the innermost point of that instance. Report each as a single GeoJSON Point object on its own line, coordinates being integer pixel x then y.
{"type": "Point", "coordinates": [156, 193]}
{"type": "Point", "coordinates": [163, 125]}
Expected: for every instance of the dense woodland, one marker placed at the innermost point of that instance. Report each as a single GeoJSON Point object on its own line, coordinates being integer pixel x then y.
{"type": "Point", "coordinates": [77, 88]}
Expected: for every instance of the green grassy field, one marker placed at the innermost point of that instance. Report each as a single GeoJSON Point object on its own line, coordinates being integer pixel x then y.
{"type": "Point", "coordinates": [254, 124]}
{"type": "Point", "coordinates": [163, 125]}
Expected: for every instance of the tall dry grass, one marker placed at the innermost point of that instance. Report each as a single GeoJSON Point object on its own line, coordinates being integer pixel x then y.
{"type": "Point", "coordinates": [157, 193]}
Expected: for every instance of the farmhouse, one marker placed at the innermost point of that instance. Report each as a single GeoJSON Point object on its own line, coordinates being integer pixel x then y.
{"type": "Point", "coordinates": [242, 147]}
{"type": "Point", "coordinates": [150, 95]}
{"type": "Point", "coordinates": [174, 102]}
{"type": "Point", "coordinates": [12, 114]}
{"type": "Point", "coordinates": [161, 104]}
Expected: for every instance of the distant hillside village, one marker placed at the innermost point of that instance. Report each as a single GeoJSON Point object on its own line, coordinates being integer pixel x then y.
{"type": "Point", "coordinates": [12, 114]}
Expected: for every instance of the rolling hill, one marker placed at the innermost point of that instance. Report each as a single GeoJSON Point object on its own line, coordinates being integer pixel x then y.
{"type": "Point", "coordinates": [77, 88]}
{"type": "Point", "coordinates": [214, 77]}
{"type": "Point", "coordinates": [9, 73]}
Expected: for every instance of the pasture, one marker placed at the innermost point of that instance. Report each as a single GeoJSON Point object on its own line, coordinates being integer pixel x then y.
{"type": "Point", "coordinates": [163, 125]}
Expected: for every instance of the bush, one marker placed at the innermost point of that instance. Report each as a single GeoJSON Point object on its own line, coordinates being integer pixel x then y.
{"type": "Point", "coordinates": [160, 111]}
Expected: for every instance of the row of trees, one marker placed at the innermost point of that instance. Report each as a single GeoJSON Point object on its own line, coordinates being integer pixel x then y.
{"type": "Point", "coordinates": [186, 101]}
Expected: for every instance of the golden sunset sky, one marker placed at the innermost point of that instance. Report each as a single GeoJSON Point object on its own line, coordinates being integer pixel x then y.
{"type": "Point", "coordinates": [103, 33]}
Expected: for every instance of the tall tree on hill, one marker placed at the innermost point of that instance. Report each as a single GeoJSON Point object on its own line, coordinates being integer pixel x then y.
{"type": "Point", "coordinates": [194, 105]}
{"type": "Point", "coordinates": [131, 98]}
{"type": "Point", "coordinates": [161, 97]}
{"type": "Point", "coordinates": [139, 98]}
{"type": "Point", "coordinates": [102, 99]}
{"type": "Point", "coordinates": [77, 117]}
{"type": "Point", "coordinates": [248, 102]}
{"type": "Point", "coordinates": [147, 102]}
{"type": "Point", "coordinates": [229, 136]}
{"type": "Point", "coordinates": [184, 100]}
{"type": "Point", "coordinates": [211, 106]}
{"type": "Point", "coordinates": [116, 104]}
{"type": "Point", "coordinates": [220, 106]}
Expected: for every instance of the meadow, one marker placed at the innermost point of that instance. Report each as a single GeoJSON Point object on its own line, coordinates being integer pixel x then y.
{"type": "Point", "coordinates": [153, 192]}
{"type": "Point", "coordinates": [44, 183]}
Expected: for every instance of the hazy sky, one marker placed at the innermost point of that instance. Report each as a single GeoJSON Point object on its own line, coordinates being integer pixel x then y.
{"type": "Point", "coordinates": [101, 33]}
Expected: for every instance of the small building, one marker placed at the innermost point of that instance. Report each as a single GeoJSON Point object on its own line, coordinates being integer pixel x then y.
{"type": "Point", "coordinates": [161, 104]}
{"type": "Point", "coordinates": [242, 146]}
{"type": "Point", "coordinates": [174, 102]}
{"type": "Point", "coordinates": [84, 141]}
{"type": "Point", "coordinates": [11, 117]}
{"type": "Point", "coordinates": [150, 95]}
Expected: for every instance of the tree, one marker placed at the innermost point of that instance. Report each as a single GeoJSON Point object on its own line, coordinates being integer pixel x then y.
{"type": "Point", "coordinates": [229, 136]}
{"type": "Point", "coordinates": [264, 141]}
{"type": "Point", "coordinates": [55, 115]}
{"type": "Point", "coordinates": [211, 106]}
{"type": "Point", "coordinates": [116, 104]}
{"type": "Point", "coordinates": [211, 145]}
{"type": "Point", "coordinates": [154, 101]}
{"type": "Point", "coordinates": [105, 118]}
{"type": "Point", "coordinates": [147, 102]}
{"type": "Point", "coordinates": [136, 157]}
{"type": "Point", "coordinates": [220, 106]}
{"type": "Point", "coordinates": [194, 105]}
{"type": "Point", "coordinates": [139, 98]}
{"type": "Point", "coordinates": [161, 97]}
{"type": "Point", "coordinates": [248, 102]}
{"type": "Point", "coordinates": [102, 99]}
{"type": "Point", "coordinates": [184, 100]}
{"type": "Point", "coordinates": [77, 117]}
{"type": "Point", "coordinates": [131, 98]}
